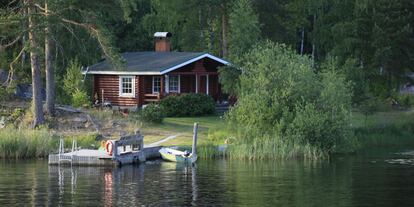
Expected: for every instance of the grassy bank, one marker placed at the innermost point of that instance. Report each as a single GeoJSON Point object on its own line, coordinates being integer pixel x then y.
{"type": "Point", "coordinates": [390, 129]}
{"type": "Point", "coordinates": [29, 143]}
{"type": "Point", "coordinates": [382, 129]}
{"type": "Point", "coordinates": [385, 129]}
{"type": "Point", "coordinates": [15, 143]}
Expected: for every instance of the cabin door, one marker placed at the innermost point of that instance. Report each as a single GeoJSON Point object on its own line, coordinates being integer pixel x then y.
{"type": "Point", "coordinates": [203, 84]}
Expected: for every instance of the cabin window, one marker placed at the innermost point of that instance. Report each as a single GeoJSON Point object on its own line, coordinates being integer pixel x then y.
{"type": "Point", "coordinates": [156, 84]}
{"type": "Point", "coordinates": [174, 84]}
{"type": "Point", "coordinates": [127, 86]}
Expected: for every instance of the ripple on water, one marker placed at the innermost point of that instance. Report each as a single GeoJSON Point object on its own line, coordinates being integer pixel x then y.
{"type": "Point", "coordinates": [407, 160]}
{"type": "Point", "coordinates": [401, 161]}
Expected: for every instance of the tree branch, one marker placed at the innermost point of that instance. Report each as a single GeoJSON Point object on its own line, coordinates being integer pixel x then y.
{"type": "Point", "coordinates": [11, 71]}
{"type": "Point", "coordinates": [10, 43]}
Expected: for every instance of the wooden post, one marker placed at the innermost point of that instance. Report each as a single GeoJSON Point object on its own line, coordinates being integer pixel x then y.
{"type": "Point", "coordinates": [102, 97]}
{"type": "Point", "coordinates": [194, 148]}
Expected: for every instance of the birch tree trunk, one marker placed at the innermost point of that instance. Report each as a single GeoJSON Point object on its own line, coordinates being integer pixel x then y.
{"type": "Point", "coordinates": [224, 28]}
{"type": "Point", "coordinates": [302, 42]}
{"type": "Point", "coordinates": [50, 74]}
{"type": "Point", "coordinates": [37, 106]}
{"type": "Point", "coordinates": [313, 40]}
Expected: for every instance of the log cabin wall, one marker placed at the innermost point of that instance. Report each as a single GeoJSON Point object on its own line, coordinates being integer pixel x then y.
{"type": "Point", "coordinates": [143, 84]}
{"type": "Point", "coordinates": [110, 86]}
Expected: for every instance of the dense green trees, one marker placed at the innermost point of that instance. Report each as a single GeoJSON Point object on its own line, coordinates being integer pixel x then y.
{"type": "Point", "coordinates": [285, 109]}
{"type": "Point", "coordinates": [244, 29]}
{"type": "Point", "coordinates": [372, 41]}
{"type": "Point", "coordinates": [43, 22]}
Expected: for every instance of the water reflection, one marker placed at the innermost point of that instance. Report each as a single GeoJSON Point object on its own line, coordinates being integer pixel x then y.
{"type": "Point", "coordinates": [156, 183]}
{"type": "Point", "coordinates": [344, 181]}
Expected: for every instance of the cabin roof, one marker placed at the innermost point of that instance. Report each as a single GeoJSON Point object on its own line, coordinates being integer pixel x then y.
{"type": "Point", "coordinates": [151, 63]}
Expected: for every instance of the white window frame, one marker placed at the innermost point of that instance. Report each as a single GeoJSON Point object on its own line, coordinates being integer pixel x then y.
{"type": "Point", "coordinates": [178, 84]}
{"type": "Point", "coordinates": [129, 95]}
{"type": "Point", "coordinates": [153, 84]}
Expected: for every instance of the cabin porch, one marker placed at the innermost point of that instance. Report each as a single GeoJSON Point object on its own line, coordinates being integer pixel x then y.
{"type": "Point", "coordinates": [158, 86]}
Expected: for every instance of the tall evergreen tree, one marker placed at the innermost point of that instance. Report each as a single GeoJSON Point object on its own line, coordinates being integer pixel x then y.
{"type": "Point", "coordinates": [244, 28]}
{"type": "Point", "coordinates": [38, 117]}
{"type": "Point", "coordinates": [392, 38]}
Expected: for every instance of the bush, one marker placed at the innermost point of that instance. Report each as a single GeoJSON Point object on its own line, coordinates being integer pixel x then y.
{"type": "Point", "coordinates": [152, 113]}
{"type": "Point", "coordinates": [285, 109]}
{"type": "Point", "coordinates": [73, 90]}
{"type": "Point", "coordinates": [80, 98]}
{"type": "Point", "coordinates": [190, 104]}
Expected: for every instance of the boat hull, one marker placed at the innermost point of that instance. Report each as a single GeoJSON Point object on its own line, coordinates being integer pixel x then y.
{"type": "Point", "coordinates": [176, 156]}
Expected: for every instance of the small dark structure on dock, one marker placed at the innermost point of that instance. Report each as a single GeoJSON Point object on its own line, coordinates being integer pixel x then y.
{"type": "Point", "coordinates": [127, 150]}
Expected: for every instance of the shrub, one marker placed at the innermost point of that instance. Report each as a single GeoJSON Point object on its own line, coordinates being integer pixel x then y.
{"type": "Point", "coordinates": [152, 113]}
{"type": "Point", "coordinates": [286, 109]}
{"type": "Point", "coordinates": [172, 106]}
{"type": "Point", "coordinates": [74, 91]}
{"type": "Point", "coordinates": [73, 78]}
{"type": "Point", "coordinates": [80, 98]}
{"type": "Point", "coordinates": [188, 105]}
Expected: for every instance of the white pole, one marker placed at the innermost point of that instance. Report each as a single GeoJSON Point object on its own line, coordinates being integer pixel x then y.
{"type": "Point", "coordinates": [207, 85]}
{"type": "Point", "coordinates": [167, 84]}
{"type": "Point", "coordinates": [102, 103]}
{"type": "Point", "coordinates": [196, 77]}
{"type": "Point", "coordinates": [194, 148]}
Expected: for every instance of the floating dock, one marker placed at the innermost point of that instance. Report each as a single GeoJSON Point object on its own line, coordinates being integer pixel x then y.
{"type": "Point", "coordinates": [127, 150]}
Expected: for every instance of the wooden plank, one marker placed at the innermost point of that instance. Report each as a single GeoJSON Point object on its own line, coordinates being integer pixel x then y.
{"type": "Point", "coordinates": [151, 100]}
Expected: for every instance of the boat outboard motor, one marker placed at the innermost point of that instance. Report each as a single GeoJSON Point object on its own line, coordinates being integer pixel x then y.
{"type": "Point", "coordinates": [186, 153]}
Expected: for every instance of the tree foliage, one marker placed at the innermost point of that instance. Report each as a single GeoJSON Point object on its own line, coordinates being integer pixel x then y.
{"type": "Point", "coordinates": [73, 90]}
{"type": "Point", "coordinates": [371, 40]}
{"type": "Point", "coordinates": [244, 28]}
{"type": "Point", "coordinates": [282, 99]}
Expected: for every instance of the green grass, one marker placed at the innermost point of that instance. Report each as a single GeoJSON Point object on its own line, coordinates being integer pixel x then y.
{"type": "Point", "coordinates": [382, 119]}
{"type": "Point", "coordinates": [393, 128]}
{"type": "Point", "coordinates": [25, 143]}
{"type": "Point", "coordinates": [384, 129]}
{"type": "Point", "coordinates": [183, 127]}
{"type": "Point", "coordinates": [87, 140]}
{"type": "Point", "coordinates": [33, 143]}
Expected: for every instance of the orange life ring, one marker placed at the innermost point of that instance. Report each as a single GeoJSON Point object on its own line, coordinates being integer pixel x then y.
{"type": "Point", "coordinates": [109, 147]}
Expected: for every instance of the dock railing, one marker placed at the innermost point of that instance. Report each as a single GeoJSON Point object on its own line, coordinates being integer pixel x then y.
{"type": "Point", "coordinates": [62, 156]}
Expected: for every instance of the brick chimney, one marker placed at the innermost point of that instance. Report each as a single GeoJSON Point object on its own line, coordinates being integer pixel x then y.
{"type": "Point", "coordinates": [162, 41]}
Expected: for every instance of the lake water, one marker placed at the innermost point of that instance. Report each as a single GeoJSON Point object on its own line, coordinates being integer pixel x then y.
{"type": "Point", "coordinates": [372, 179]}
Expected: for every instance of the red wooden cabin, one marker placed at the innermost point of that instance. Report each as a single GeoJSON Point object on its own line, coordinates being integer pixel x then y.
{"type": "Point", "coordinates": [149, 76]}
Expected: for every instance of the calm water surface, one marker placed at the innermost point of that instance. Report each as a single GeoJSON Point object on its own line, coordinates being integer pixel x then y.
{"type": "Point", "coordinates": [372, 179]}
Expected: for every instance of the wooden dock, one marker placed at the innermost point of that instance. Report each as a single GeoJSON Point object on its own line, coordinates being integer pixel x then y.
{"type": "Point", "coordinates": [87, 157]}
{"type": "Point", "coordinates": [127, 150]}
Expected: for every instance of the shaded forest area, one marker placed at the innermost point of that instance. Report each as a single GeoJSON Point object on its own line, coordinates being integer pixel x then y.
{"type": "Point", "coordinates": [371, 41]}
